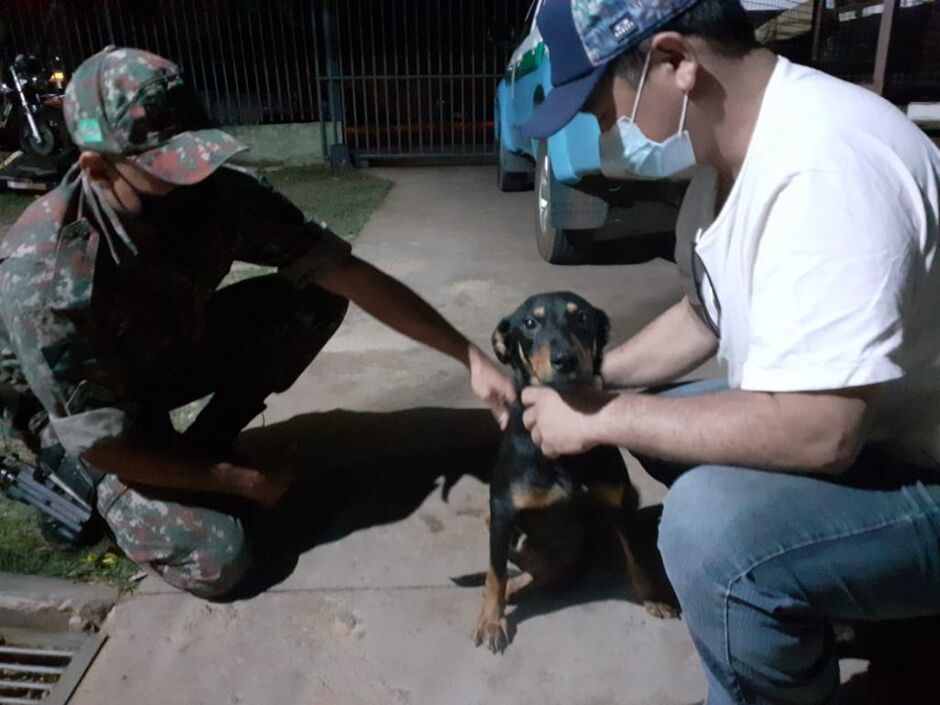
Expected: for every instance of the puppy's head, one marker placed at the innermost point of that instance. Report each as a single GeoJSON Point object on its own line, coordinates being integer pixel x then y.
{"type": "Point", "coordinates": [553, 340]}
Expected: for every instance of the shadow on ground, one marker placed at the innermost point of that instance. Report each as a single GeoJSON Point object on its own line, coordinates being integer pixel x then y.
{"type": "Point", "coordinates": [903, 663]}
{"type": "Point", "coordinates": [357, 470]}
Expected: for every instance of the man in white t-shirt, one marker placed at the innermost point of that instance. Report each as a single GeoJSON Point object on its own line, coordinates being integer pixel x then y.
{"type": "Point", "coordinates": [807, 487]}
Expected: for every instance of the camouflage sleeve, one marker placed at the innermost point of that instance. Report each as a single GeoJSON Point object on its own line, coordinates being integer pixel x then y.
{"type": "Point", "coordinates": [60, 365]}
{"type": "Point", "coordinates": [272, 231]}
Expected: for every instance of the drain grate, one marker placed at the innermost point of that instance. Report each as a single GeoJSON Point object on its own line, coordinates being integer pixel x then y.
{"type": "Point", "coordinates": [43, 666]}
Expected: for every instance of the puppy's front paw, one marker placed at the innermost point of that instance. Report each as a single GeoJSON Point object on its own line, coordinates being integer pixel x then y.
{"type": "Point", "coordinates": [492, 631]}
{"type": "Point", "coordinates": [661, 610]}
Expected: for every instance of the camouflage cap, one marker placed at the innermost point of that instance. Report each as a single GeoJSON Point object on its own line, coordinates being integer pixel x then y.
{"type": "Point", "coordinates": [135, 105]}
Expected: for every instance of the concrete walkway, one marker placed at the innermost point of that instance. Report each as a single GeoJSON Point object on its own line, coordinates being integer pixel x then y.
{"type": "Point", "coordinates": [393, 446]}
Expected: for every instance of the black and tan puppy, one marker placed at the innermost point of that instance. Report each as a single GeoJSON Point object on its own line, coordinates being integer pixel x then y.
{"type": "Point", "coordinates": [542, 510]}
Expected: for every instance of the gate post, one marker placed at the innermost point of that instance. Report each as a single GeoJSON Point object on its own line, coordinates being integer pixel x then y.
{"type": "Point", "coordinates": [883, 55]}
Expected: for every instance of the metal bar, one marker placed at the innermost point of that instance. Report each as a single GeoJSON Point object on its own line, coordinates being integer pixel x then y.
{"type": "Point", "coordinates": [463, 72]}
{"type": "Point", "coordinates": [275, 64]}
{"type": "Point", "coordinates": [221, 52]}
{"type": "Point", "coordinates": [191, 64]}
{"type": "Point", "coordinates": [17, 701]}
{"type": "Point", "coordinates": [25, 685]}
{"type": "Point", "coordinates": [427, 31]}
{"type": "Point", "coordinates": [388, 102]}
{"type": "Point", "coordinates": [255, 63]}
{"type": "Point", "coordinates": [237, 51]}
{"type": "Point", "coordinates": [375, 82]}
{"type": "Point", "coordinates": [124, 35]}
{"type": "Point", "coordinates": [819, 14]}
{"type": "Point", "coordinates": [473, 64]}
{"type": "Point", "coordinates": [216, 93]}
{"type": "Point", "coordinates": [24, 668]}
{"type": "Point", "coordinates": [283, 64]}
{"type": "Point", "coordinates": [883, 54]}
{"type": "Point", "coordinates": [321, 116]}
{"type": "Point", "coordinates": [264, 65]}
{"type": "Point", "coordinates": [419, 86]}
{"type": "Point", "coordinates": [407, 76]}
{"type": "Point", "coordinates": [301, 103]}
{"type": "Point", "coordinates": [366, 125]}
{"type": "Point", "coordinates": [108, 22]}
{"type": "Point", "coordinates": [44, 653]}
{"type": "Point", "coordinates": [133, 33]}
{"type": "Point", "coordinates": [342, 73]}
{"type": "Point", "coordinates": [440, 67]}
{"type": "Point", "coordinates": [76, 670]}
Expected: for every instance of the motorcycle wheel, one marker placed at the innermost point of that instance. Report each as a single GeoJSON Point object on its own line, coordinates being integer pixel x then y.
{"type": "Point", "coordinates": [48, 142]}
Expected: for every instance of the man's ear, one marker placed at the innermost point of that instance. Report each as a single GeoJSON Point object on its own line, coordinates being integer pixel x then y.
{"type": "Point", "coordinates": [681, 55]}
{"type": "Point", "coordinates": [502, 341]}
{"type": "Point", "coordinates": [601, 337]}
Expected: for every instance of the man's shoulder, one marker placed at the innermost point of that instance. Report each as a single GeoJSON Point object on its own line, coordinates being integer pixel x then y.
{"type": "Point", "coordinates": [233, 182]}
{"type": "Point", "coordinates": [812, 121]}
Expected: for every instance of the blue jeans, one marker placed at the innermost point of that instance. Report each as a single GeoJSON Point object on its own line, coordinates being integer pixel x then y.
{"type": "Point", "coordinates": [763, 563]}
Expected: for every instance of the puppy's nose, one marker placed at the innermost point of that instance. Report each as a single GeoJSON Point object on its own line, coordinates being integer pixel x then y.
{"type": "Point", "coordinates": [564, 362]}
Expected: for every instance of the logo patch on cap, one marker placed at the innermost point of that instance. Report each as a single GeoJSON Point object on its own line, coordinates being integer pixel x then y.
{"type": "Point", "coordinates": [623, 27]}
{"type": "Point", "coordinates": [89, 131]}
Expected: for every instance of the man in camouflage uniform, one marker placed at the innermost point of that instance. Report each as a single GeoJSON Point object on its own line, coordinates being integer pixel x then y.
{"type": "Point", "coordinates": [109, 297]}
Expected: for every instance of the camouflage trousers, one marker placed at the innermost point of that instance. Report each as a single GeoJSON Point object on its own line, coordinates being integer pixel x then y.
{"type": "Point", "coordinates": [262, 335]}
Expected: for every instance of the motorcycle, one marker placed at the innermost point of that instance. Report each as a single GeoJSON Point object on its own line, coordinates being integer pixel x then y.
{"type": "Point", "coordinates": [31, 102]}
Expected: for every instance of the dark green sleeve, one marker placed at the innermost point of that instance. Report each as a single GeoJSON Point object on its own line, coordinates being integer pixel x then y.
{"type": "Point", "coordinates": [272, 231]}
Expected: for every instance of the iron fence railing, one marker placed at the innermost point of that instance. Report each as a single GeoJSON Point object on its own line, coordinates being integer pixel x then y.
{"type": "Point", "coordinates": [416, 78]}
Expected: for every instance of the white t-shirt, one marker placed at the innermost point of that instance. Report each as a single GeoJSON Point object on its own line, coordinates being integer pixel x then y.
{"type": "Point", "coordinates": [821, 270]}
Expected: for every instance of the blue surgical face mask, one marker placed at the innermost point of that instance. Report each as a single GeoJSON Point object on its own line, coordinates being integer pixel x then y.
{"type": "Point", "coordinates": [626, 153]}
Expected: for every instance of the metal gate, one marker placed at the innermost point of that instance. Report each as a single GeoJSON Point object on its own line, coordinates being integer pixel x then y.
{"type": "Point", "coordinates": [405, 79]}
{"type": "Point", "coordinates": [418, 77]}
{"type": "Point", "coordinates": [395, 79]}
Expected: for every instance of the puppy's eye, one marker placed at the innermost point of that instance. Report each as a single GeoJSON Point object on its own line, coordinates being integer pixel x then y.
{"type": "Point", "coordinates": [584, 318]}
{"type": "Point", "coordinates": [531, 323]}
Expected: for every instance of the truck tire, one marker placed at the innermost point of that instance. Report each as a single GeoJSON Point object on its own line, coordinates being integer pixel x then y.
{"type": "Point", "coordinates": [556, 245]}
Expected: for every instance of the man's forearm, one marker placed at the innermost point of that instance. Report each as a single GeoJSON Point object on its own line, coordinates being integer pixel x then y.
{"type": "Point", "coordinates": [673, 345]}
{"type": "Point", "coordinates": [394, 304]}
{"type": "Point", "coordinates": [788, 433]}
{"type": "Point", "coordinates": [172, 467]}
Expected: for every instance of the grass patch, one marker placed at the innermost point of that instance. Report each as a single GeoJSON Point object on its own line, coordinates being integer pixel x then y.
{"type": "Point", "coordinates": [12, 205]}
{"type": "Point", "coordinates": [24, 550]}
{"type": "Point", "coordinates": [344, 198]}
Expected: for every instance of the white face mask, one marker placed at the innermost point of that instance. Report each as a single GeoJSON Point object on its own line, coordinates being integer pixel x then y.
{"type": "Point", "coordinates": [626, 153]}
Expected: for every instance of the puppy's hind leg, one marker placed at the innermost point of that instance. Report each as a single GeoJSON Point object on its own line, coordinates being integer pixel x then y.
{"type": "Point", "coordinates": [658, 600]}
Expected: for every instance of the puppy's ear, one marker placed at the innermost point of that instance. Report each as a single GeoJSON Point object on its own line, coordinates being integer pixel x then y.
{"type": "Point", "coordinates": [601, 337]}
{"type": "Point", "coordinates": [502, 341]}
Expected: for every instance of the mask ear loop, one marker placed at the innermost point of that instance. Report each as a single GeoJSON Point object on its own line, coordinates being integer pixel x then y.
{"type": "Point", "coordinates": [685, 112]}
{"type": "Point", "coordinates": [639, 90]}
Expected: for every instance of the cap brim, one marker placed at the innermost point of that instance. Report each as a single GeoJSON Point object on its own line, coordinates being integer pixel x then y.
{"type": "Point", "coordinates": [561, 105]}
{"type": "Point", "coordinates": [189, 157]}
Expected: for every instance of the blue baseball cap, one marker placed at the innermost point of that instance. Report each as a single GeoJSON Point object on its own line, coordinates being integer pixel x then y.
{"type": "Point", "coordinates": [582, 37]}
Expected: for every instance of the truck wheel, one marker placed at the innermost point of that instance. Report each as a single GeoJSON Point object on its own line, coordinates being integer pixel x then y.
{"type": "Point", "coordinates": [556, 245]}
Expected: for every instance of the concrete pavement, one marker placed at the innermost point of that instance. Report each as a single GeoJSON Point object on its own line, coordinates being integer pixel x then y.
{"type": "Point", "coordinates": [394, 447]}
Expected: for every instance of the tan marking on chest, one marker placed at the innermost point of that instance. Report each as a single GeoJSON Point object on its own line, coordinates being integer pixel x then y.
{"type": "Point", "coordinates": [607, 495]}
{"type": "Point", "coordinates": [537, 498]}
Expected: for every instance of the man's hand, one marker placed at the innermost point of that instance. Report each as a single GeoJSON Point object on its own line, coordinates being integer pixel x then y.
{"type": "Point", "coordinates": [266, 488]}
{"type": "Point", "coordinates": [491, 385]}
{"type": "Point", "coordinates": [562, 425]}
